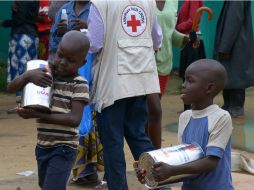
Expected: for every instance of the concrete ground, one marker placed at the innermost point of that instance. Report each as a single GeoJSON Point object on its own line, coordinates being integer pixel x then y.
{"type": "Point", "coordinates": [18, 137]}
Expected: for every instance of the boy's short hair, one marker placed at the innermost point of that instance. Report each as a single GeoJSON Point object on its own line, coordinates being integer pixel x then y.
{"type": "Point", "coordinates": [212, 71]}
{"type": "Point", "coordinates": [77, 40]}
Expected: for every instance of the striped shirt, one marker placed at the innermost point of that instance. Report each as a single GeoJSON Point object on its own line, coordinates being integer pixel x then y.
{"type": "Point", "coordinates": [64, 92]}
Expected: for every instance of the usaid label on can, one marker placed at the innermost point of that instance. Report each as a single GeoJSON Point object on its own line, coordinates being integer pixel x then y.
{"type": "Point", "coordinates": [175, 155]}
{"type": "Point", "coordinates": [35, 96]}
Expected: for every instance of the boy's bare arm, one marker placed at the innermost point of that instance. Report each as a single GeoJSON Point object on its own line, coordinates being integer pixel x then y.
{"type": "Point", "coordinates": [71, 119]}
{"type": "Point", "coordinates": [36, 76]}
{"type": "Point", "coordinates": [163, 171]}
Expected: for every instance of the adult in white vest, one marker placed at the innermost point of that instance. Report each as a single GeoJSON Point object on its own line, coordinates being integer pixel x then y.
{"type": "Point", "coordinates": [125, 34]}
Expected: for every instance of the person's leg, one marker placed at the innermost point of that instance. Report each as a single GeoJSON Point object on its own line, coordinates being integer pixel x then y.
{"type": "Point", "coordinates": [134, 126]}
{"type": "Point", "coordinates": [42, 162]}
{"type": "Point", "coordinates": [89, 159]}
{"type": "Point", "coordinates": [110, 125]}
{"type": "Point", "coordinates": [153, 126]}
{"type": "Point", "coordinates": [84, 170]}
{"type": "Point", "coordinates": [134, 131]}
{"type": "Point", "coordinates": [237, 99]}
{"type": "Point", "coordinates": [154, 119]}
{"type": "Point", "coordinates": [163, 79]}
{"type": "Point", "coordinates": [226, 99]}
{"type": "Point", "coordinates": [59, 167]}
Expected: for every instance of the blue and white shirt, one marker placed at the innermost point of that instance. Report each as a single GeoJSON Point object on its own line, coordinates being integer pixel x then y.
{"type": "Point", "coordinates": [211, 128]}
{"type": "Point", "coordinates": [83, 15]}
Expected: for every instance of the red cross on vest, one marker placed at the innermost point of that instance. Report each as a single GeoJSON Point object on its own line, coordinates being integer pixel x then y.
{"type": "Point", "coordinates": [133, 23]}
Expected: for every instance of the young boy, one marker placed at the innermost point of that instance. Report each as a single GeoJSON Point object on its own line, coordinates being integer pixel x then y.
{"type": "Point", "coordinates": [89, 159]}
{"type": "Point", "coordinates": [57, 131]}
{"type": "Point", "coordinates": [206, 124]}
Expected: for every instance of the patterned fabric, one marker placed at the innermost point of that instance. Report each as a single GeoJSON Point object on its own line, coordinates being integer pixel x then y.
{"type": "Point", "coordinates": [22, 48]}
{"type": "Point", "coordinates": [90, 156]}
{"type": "Point", "coordinates": [64, 92]}
{"type": "Point", "coordinates": [43, 47]}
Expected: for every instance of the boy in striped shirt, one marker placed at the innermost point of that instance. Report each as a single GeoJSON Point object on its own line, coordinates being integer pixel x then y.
{"type": "Point", "coordinates": [57, 131]}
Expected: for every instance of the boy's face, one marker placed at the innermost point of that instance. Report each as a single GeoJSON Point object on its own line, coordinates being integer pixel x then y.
{"type": "Point", "coordinates": [194, 89]}
{"type": "Point", "coordinates": [67, 61]}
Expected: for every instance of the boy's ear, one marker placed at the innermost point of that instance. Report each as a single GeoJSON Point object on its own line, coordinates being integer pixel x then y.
{"type": "Point", "coordinates": [210, 88]}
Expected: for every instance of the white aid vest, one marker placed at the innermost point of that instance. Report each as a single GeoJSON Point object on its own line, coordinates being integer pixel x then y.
{"type": "Point", "coordinates": [126, 65]}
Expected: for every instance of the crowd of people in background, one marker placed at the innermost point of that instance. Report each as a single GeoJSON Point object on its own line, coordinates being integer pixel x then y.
{"type": "Point", "coordinates": [111, 63]}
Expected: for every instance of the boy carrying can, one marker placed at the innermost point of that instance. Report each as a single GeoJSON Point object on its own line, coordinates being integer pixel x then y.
{"type": "Point", "coordinates": [57, 137]}
{"type": "Point", "coordinates": [205, 124]}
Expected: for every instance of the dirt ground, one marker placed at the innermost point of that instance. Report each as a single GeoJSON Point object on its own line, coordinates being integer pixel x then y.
{"type": "Point", "coordinates": [18, 138]}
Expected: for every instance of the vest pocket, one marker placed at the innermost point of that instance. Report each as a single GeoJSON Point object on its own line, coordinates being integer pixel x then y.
{"type": "Point", "coordinates": [135, 56]}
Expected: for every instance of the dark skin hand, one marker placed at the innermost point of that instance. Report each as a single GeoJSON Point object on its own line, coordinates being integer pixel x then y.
{"type": "Point", "coordinates": [140, 173]}
{"type": "Point", "coordinates": [61, 28]}
{"type": "Point", "coordinates": [162, 171]}
{"type": "Point", "coordinates": [37, 76]}
{"type": "Point", "coordinates": [186, 39]}
{"type": "Point", "coordinates": [79, 24]}
{"type": "Point", "coordinates": [196, 43]}
{"type": "Point", "coordinates": [71, 119]}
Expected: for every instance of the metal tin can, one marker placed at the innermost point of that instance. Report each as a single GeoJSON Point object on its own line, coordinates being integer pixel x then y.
{"type": "Point", "coordinates": [34, 96]}
{"type": "Point", "coordinates": [175, 155]}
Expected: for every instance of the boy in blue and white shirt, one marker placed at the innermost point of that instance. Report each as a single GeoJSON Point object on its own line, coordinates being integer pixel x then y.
{"type": "Point", "coordinates": [205, 124]}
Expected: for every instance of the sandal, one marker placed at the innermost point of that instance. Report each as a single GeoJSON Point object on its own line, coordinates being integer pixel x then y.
{"type": "Point", "coordinates": [83, 181]}
{"type": "Point", "coordinates": [102, 186]}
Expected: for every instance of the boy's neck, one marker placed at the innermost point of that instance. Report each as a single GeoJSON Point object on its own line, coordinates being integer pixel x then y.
{"type": "Point", "coordinates": [67, 78]}
{"type": "Point", "coordinates": [202, 106]}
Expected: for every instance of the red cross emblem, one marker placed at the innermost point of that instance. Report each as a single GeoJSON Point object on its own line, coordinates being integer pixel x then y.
{"type": "Point", "coordinates": [133, 23]}
{"type": "Point", "coordinates": [133, 20]}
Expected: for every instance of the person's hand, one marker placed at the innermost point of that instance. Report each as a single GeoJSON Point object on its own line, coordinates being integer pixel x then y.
{"type": "Point", "coordinates": [40, 77]}
{"type": "Point", "coordinates": [61, 28]}
{"type": "Point", "coordinates": [78, 24]}
{"type": "Point", "coordinates": [161, 171]}
{"type": "Point", "coordinates": [27, 113]}
{"type": "Point", "coordinates": [192, 36]}
{"type": "Point", "coordinates": [196, 43]}
{"type": "Point", "coordinates": [186, 39]}
{"type": "Point", "coordinates": [139, 172]}
{"type": "Point", "coordinates": [224, 56]}
{"type": "Point", "coordinates": [194, 40]}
